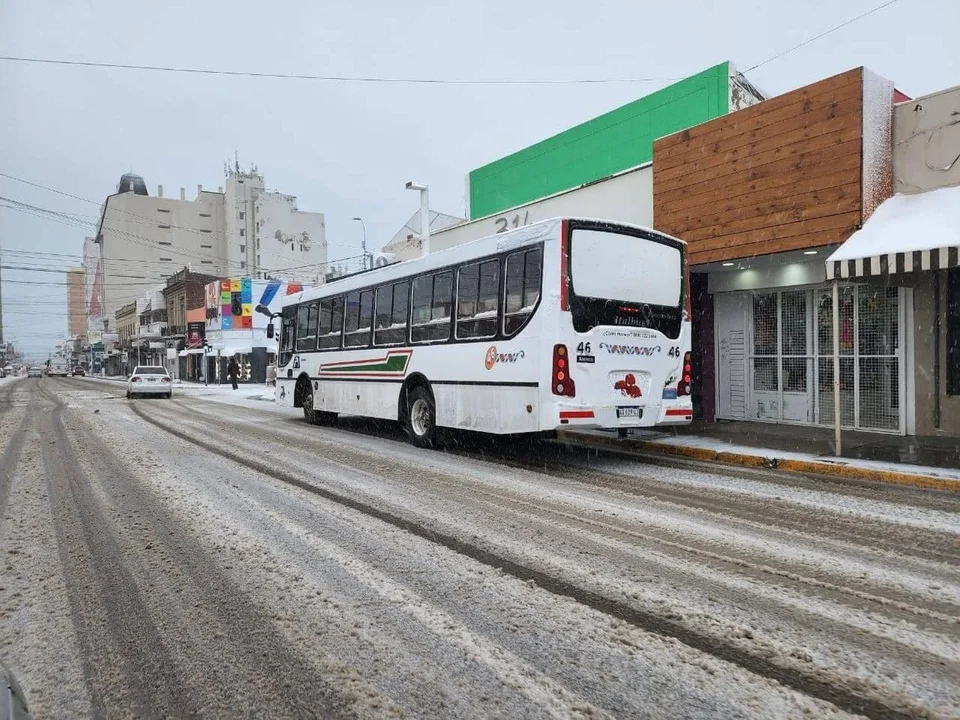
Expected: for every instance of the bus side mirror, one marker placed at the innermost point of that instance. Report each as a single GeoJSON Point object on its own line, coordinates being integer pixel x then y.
{"type": "Point", "coordinates": [270, 332]}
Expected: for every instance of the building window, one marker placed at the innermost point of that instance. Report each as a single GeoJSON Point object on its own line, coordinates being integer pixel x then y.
{"type": "Point", "coordinates": [166, 259]}
{"type": "Point", "coordinates": [258, 259]}
{"type": "Point", "coordinates": [166, 210]}
{"type": "Point", "coordinates": [204, 230]}
{"type": "Point", "coordinates": [242, 232]}
{"type": "Point", "coordinates": [163, 227]}
{"type": "Point", "coordinates": [258, 243]}
{"type": "Point", "coordinates": [206, 262]}
{"type": "Point", "coordinates": [163, 242]}
{"type": "Point", "coordinates": [243, 248]}
{"type": "Point", "coordinates": [953, 331]}
{"type": "Point", "coordinates": [207, 247]}
{"type": "Point", "coordinates": [478, 299]}
{"type": "Point", "coordinates": [204, 214]}
{"type": "Point", "coordinates": [243, 264]}
{"type": "Point", "coordinates": [241, 214]}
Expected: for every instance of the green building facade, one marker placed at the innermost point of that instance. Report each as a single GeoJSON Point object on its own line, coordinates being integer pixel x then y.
{"type": "Point", "coordinates": [608, 144]}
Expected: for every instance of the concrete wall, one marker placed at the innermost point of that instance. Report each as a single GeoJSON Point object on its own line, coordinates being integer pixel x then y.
{"type": "Point", "coordinates": [923, 324]}
{"type": "Point", "coordinates": [289, 243]}
{"type": "Point", "coordinates": [76, 310]}
{"type": "Point", "coordinates": [627, 197]}
{"type": "Point", "coordinates": [926, 142]}
{"type": "Point", "coordinates": [144, 240]}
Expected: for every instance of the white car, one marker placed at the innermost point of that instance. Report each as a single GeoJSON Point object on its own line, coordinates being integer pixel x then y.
{"type": "Point", "coordinates": [35, 371]}
{"type": "Point", "coordinates": [149, 380]}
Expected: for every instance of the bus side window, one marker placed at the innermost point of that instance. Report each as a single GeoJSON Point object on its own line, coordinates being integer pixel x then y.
{"type": "Point", "coordinates": [359, 319]}
{"type": "Point", "coordinates": [478, 299]}
{"type": "Point", "coordinates": [521, 287]}
{"type": "Point", "coordinates": [432, 299]}
{"type": "Point", "coordinates": [307, 316]}
{"type": "Point", "coordinates": [331, 323]}
{"type": "Point", "coordinates": [391, 327]}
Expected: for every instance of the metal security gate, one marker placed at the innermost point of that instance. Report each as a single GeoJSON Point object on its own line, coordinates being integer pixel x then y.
{"type": "Point", "coordinates": [790, 362]}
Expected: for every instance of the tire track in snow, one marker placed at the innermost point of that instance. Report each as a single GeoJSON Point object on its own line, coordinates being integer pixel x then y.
{"type": "Point", "coordinates": [809, 683]}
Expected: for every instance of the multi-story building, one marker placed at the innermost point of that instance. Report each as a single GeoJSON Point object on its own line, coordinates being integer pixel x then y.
{"type": "Point", "coordinates": [268, 236]}
{"type": "Point", "coordinates": [143, 239]}
{"type": "Point", "coordinates": [76, 305]}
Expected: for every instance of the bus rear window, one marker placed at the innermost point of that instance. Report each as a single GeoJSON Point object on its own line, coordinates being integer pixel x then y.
{"type": "Point", "coordinates": [625, 279]}
{"type": "Point", "coordinates": [610, 266]}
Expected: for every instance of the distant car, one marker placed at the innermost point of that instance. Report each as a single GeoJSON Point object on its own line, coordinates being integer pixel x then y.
{"type": "Point", "coordinates": [35, 371]}
{"type": "Point", "coordinates": [150, 380]}
{"type": "Point", "coordinates": [79, 371]}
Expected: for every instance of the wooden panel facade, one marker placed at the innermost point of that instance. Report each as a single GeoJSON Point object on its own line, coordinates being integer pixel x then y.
{"type": "Point", "coordinates": [781, 175]}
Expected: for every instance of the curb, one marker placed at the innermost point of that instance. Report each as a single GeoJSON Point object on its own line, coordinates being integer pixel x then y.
{"type": "Point", "coordinates": [809, 467]}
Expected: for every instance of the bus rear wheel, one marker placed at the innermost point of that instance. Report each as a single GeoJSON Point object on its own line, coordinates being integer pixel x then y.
{"type": "Point", "coordinates": [421, 420]}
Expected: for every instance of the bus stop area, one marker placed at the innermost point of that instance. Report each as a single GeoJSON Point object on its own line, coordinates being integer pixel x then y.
{"type": "Point", "coordinates": [922, 461]}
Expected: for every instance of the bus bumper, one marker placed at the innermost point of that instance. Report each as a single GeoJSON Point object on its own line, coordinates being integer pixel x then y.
{"type": "Point", "coordinates": [612, 418]}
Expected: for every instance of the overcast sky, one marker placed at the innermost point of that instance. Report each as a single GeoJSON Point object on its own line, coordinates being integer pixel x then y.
{"type": "Point", "coordinates": [346, 149]}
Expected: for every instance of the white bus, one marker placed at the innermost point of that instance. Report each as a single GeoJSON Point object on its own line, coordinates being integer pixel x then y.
{"type": "Point", "coordinates": [566, 323]}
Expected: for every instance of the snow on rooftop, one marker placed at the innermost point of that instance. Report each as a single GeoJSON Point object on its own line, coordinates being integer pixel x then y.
{"type": "Point", "coordinates": [907, 223]}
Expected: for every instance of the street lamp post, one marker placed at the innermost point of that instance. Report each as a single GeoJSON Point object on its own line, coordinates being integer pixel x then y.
{"type": "Point", "coordinates": [364, 243]}
{"type": "Point", "coordinates": [424, 213]}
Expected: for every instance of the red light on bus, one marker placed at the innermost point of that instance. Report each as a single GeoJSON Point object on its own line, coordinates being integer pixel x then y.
{"type": "Point", "coordinates": [562, 383]}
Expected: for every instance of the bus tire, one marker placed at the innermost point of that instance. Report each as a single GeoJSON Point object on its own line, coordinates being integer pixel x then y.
{"type": "Point", "coordinates": [304, 393]}
{"type": "Point", "coordinates": [421, 419]}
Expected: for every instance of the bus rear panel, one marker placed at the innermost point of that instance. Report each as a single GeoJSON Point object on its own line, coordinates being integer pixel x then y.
{"type": "Point", "coordinates": [621, 357]}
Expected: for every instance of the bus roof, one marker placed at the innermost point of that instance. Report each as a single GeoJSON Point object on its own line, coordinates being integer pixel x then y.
{"type": "Point", "coordinates": [512, 239]}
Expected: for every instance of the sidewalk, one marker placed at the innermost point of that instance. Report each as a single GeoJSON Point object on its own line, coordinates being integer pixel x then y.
{"type": "Point", "coordinates": [931, 462]}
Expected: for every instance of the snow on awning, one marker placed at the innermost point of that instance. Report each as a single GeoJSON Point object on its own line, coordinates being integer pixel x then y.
{"type": "Point", "coordinates": [906, 233]}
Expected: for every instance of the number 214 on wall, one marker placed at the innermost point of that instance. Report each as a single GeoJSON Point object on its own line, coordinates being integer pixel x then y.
{"type": "Point", "coordinates": [505, 223]}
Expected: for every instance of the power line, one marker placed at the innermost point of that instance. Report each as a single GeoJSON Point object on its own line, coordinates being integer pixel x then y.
{"type": "Point", "coordinates": [334, 78]}
{"type": "Point", "coordinates": [823, 34]}
{"type": "Point", "coordinates": [71, 220]}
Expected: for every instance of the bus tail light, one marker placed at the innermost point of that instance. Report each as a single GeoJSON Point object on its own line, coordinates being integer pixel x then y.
{"type": "Point", "coordinates": [686, 377]}
{"type": "Point", "coordinates": [562, 382]}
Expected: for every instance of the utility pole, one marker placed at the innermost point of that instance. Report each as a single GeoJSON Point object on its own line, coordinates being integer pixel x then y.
{"type": "Point", "coordinates": [363, 244]}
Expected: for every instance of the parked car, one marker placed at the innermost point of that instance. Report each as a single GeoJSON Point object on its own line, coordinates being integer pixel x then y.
{"type": "Point", "coordinates": [79, 372]}
{"type": "Point", "coordinates": [35, 371]}
{"type": "Point", "coordinates": [150, 380]}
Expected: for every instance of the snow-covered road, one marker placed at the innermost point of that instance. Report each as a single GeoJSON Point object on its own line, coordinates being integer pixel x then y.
{"type": "Point", "coordinates": [215, 555]}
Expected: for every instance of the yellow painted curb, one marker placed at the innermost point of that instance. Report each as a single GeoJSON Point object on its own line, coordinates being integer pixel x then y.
{"type": "Point", "coordinates": [811, 467]}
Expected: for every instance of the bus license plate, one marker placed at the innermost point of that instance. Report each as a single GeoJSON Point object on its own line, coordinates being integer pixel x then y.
{"type": "Point", "coordinates": [629, 412]}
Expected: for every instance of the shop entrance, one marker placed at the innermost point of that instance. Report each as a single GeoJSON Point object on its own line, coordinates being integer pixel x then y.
{"type": "Point", "coordinates": [775, 357]}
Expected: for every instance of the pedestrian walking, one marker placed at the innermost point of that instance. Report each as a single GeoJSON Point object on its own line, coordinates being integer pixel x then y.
{"type": "Point", "coordinates": [233, 370]}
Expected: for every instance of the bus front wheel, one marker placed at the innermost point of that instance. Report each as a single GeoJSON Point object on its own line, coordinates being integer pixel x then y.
{"type": "Point", "coordinates": [421, 417]}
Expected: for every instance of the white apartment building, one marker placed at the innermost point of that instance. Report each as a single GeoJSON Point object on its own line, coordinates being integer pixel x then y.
{"type": "Point", "coordinates": [268, 236]}
{"type": "Point", "coordinates": [143, 239]}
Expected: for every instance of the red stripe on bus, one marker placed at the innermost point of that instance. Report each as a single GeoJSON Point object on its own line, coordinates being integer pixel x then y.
{"type": "Point", "coordinates": [575, 414]}
{"type": "Point", "coordinates": [564, 253]}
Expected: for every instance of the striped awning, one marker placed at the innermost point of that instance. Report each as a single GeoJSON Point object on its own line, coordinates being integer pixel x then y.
{"type": "Point", "coordinates": [906, 233]}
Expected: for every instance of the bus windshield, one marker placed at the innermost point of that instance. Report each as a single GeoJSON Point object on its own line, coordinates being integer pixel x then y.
{"type": "Point", "coordinates": [625, 279]}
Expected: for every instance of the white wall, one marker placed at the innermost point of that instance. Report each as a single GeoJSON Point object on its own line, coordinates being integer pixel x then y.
{"type": "Point", "coordinates": [146, 239]}
{"type": "Point", "coordinates": [289, 243]}
{"type": "Point", "coordinates": [926, 141]}
{"type": "Point", "coordinates": [627, 197]}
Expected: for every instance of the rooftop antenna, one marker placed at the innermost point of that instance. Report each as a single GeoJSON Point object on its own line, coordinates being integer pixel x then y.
{"type": "Point", "coordinates": [236, 159]}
